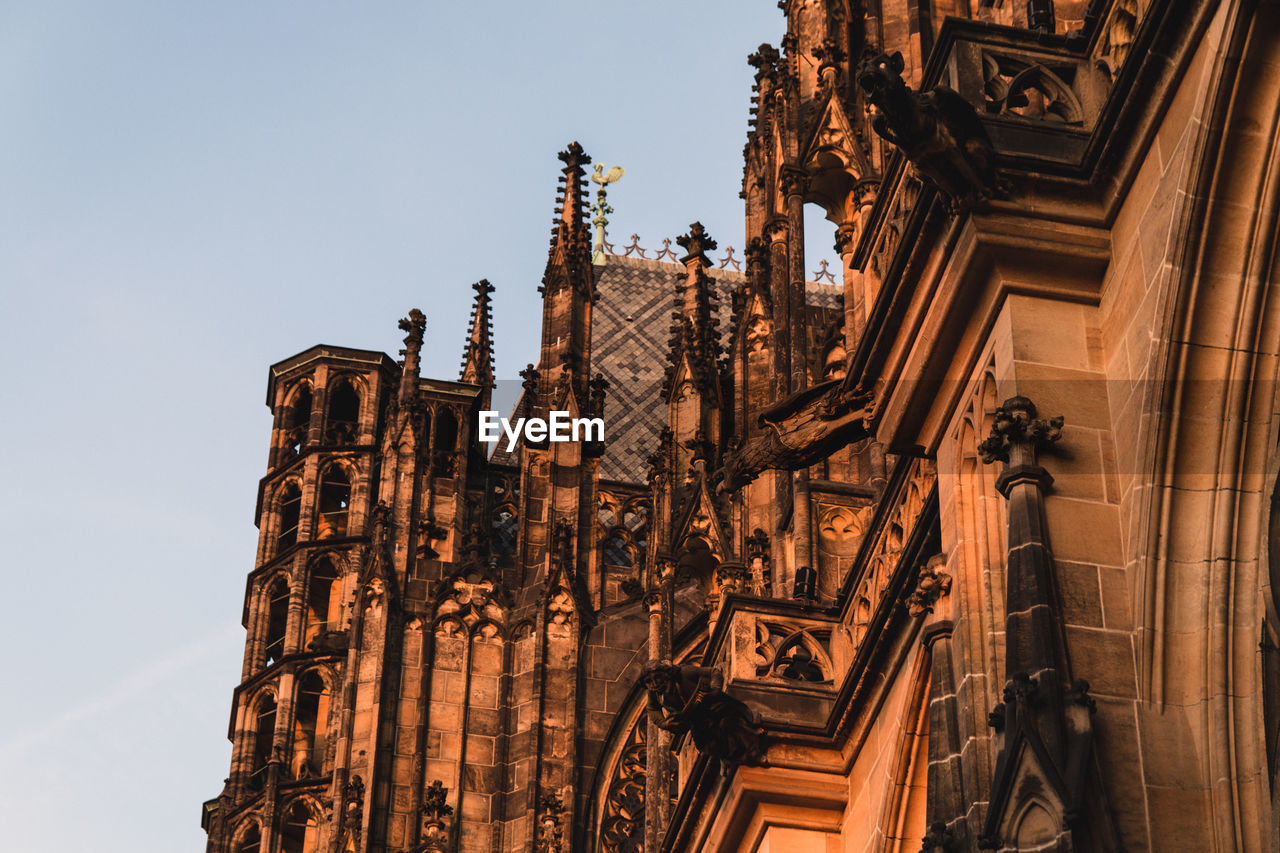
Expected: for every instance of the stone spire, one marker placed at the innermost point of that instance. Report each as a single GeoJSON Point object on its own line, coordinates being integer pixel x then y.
{"type": "Point", "coordinates": [570, 235]}
{"type": "Point", "coordinates": [694, 333]}
{"type": "Point", "coordinates": [415, 325]}
{"type": "Point", "coordinates": [477, 357]}
{"type": "Point", "coordinates": [1045, 721]}
{"type": "Point", "coordinates": [568, 285]}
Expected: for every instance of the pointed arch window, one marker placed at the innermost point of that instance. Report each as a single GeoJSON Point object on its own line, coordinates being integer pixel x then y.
{"type": "Point", "coordinates": [344, 412]}
{"type": "Point", "coordinates": [300, 832]}
{"type": "Point", "coordinates": [311, 723]}
{"type": "Point", "coordinates": [323, 600]}
{"type": "Point", "coordinates": [298, 419]}
{"type": "Point", "coordinates": [263, 741]}
{"type": "Point", "coordinates": [277, 619]}
{"type": "Point", "coordinates": [335, 502]}
{"type": "Point", "coordinates": [252, 841]}
{"type": "Point", "coordinates": [290, 513]}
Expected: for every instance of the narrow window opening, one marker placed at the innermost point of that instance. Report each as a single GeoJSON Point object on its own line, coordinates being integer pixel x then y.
{"type": "Point", "coordinates": [299, 420]}
{"type": "Point", "coordinates": [252, 842]}
{"type": "Point", "coordinates": [290, 512]}
{"type": "Point", "coordinates": [322, 600]}
{"type": "Point", "coordinates": [446, 442]}
{"type": "Point", "coordinates": [344, 413]}
{"type": "Point", "coordinates": [263, 741]}
{"type": "Point", "coordinates": [300, 833]}
{"type": "Point", "coordinates": [311, 719]}
{"type": "Point", "coordinates": [335, 499]}
{"type": "Point", "coordinates": [277, 619]}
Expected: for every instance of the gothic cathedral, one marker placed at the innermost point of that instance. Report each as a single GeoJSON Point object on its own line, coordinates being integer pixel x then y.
{"type": "Point", "coordinates": [964, 547]}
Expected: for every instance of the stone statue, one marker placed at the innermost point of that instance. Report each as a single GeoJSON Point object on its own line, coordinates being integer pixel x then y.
{"type": "Point", "coordinates": [805, 427]}
{"type": "Point", "coordinates": [689, 698]}
{"type": "Point", "coordinates": [938, 131]}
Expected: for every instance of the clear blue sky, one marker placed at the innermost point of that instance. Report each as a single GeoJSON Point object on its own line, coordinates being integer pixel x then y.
{"type": "Point", "coordinates": [191, 191]}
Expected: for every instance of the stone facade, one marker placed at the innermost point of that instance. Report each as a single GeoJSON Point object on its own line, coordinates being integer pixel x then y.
{"type": "Point", "coordinates": [967, 552]}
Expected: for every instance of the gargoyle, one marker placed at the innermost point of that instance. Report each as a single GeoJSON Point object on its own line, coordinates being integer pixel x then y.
{"type": "Point", "coordinates": [798, 431]}
{"type": "Point", "coordinates": [688, 698]}
{"type": "Point", "coordinates": [938, 131]}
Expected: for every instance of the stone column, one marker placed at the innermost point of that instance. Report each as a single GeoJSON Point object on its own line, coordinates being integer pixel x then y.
{"type": "Point", "coordinates": [794, 185]}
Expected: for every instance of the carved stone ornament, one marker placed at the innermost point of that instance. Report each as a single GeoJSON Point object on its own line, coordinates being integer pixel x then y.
{"type": "Point", "coordinates": [434, 811]}
{"type": "Point", "coordinates": [550, 816]}
{"type": "Point", "coordinates": [1016, 427]}
{"type": "Point", "coordinates": [622, 827]}
{"type": "Point", "coordinates": [931, 584]}
{"type": "Point", "coordinates": [690, 699]}
{"type": "Point", "coordinates": [805, 427]}
{"type": "Point", "coordinates": [938, 131]}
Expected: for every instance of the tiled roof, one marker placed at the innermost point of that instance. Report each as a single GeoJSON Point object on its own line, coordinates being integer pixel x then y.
{"type": "Point", "coordinates": [630, 328]}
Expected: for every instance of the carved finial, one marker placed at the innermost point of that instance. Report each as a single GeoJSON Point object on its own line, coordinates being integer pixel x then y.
{"type": "Point", "coordinates": [434, 811]}
{"type": "Point", "coordinates": [696, 243]}
{"type": "Point", "coordinates": [550, 833]}
{"type": "Point", "coordinates": [822, 272]}
{"type": "Point", "coordinates": [764, 61]}
{"type": "Point", "coordinates": [729, 259]}
{"type": "Point", "coordinates": [477, 357]}
{"type": "Point", "coordinates": [415, 325]}
{"type": "Point", "coordinates": [574, 157]}
{"type": "Point", "coordinates": [634, 247]}
{"type": "Point", "coordinates": [666, 251]}
{"type": "Point", "coordinates": [1017, 433]}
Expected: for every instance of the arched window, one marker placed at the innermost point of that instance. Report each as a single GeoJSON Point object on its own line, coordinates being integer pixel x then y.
{"type": "Point", "coordinates": [335, 501]}
{"type": "Point", "coordinates": [300, 832]}
{"type": "Point", "coordinates": [252, 840]}
{"type": "Point", "coordinates": [277, 619]}
{"type": "Point", "coordinates": [290, 512]}
{"type": "Point", "coordinates": [263, 741]}
{"type": "Point", "coordinates": [298, 419]}
{"type": "Point", "coordinates": [344, 412]}
{"type": "Point", "coordinates": [311, 724]}
{"type": "Point", "coordinates": [323, 600]}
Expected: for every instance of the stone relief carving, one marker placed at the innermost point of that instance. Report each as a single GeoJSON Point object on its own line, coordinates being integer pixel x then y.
{"type": "Point", "coordinates": [931, 584]}
{"type": "Point", "coordinates": [1016, 86]}
{"type": "Point", "coordinates": [470, 600]}
{"type": "Point", "coordinates": [790, 652]}
{"type": "Point", "coordinates": [622, 827]}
